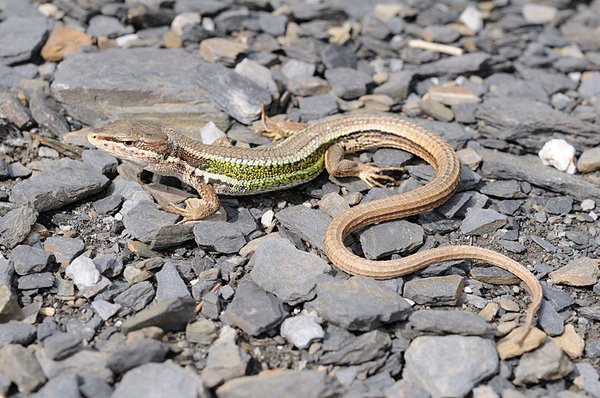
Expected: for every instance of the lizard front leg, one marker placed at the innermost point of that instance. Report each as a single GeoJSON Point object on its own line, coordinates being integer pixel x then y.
{"type": "Point", "coordinates": [337, 166]}
{"type": "Point", "coordinates": [196, 209]}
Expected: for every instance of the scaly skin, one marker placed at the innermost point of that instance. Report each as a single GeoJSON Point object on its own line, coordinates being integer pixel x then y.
{"type": "Point", "coordinates": [223, 169]}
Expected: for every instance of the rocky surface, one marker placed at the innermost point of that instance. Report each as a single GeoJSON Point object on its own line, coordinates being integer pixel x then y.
{"type": "Point", "coordinates": [103, 293]}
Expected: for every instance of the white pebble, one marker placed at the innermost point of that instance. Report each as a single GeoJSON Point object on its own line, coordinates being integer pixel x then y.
{"type": "Point", "coordinates": [560, 154]}
{"type": "Point", "coordinates": [471, 18]}
{"type": "Point", "coordinates": [209, 133]}
{"type": "Point", "coordinates": [588, 204]}
{"type": "Point", "coordinates": [184, 19]}
{"type": "Point", "coordinates": [267, 218]}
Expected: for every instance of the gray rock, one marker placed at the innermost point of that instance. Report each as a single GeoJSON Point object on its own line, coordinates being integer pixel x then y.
{"type": "Point", "coordinates": [397, 86]}
{"type": "Point", "coordinates": [14, 112]}
{"type": "Point", "coordinates": [225, 359]}
{"type": "Point", "coordinates": [590, 86]}
{"type": "Point", "coordinates": [40, 280]}
{"type": "Point", "coordinates": [288, 273]}
{"type": "Point", "coordinates": [308, 224]}
{"type": "Point", "coordinates": [356, 350]}
{"type": "Point", "coordinates": [16, 332]}
{"type": "Point", "coordinates": [258, 73]}
{"type": "Point", "coordinates": [55, 188]}
{"type": "Point", "coordinates": [317, 106]}
{"type": "Point", "coordinates": [211, 305]}
{"type": "Point", "coordinates": [454, 66]}
{"type": "Point", "coordinates": [9, 305]}
{"type": "Point", "coordinates": [100, 161]}
{"type": "Point", "coordinates": [5, 384]}
{"type": "Point", "coordinates": [438, 290]}
{"type": "Point", "coordinates": [46, 115]}
{"type": "Point", "coordinates": [144, 220]}
{"type": "Point", "coordinates": [302, 330]}
{"type": "Point", "coordinates": [589, 160]}
{"type": "Point", "coordinates": [336, 56]}
{"type": "Point", "coordinates": [27, 259]}
{"type": "Point", "coordinates": [136, 297]}
{"type": "Point", "coordinates": [254, 310]}
{"type": "Point", "coordinates": [154, 380]}
{"type": "Point", "coordinates": [391, 237]}
{"type": "Point", "coordinates": [84, 364]}
{"type": "Point", "coordinates": [482, 221]}
{"type": "Point", "coordinates": [512, 246]}
{"type": "Point", "coordinates": [305, 383]}
{"type": "Point", "coordinates": [507, 189]}
{"type": "Point", "coordinates": [520, 118]}
{"type": "Point", "coordinates": [65, 249]}
{"type": "Point", "coordinates": [494, 275]}
{"type": "Point", "coordinates": [221, 236]}
{"type": "Point", "coordinates": [544, 244]}
{"type": "Point", "coordinates": [296, 69]}
{"type": "Point", "coordinates": [105, 309]}
{"type": "Point", "coordinates": [450, 366]}
{"type": "Point", "coordinates": [9, 77]}
{"type": "Point", "coordinates": [272, 24]}
{"type": "Point", "coordinates": [6, 271]}
{"type": "Point", "coordinates": [20, 366]}
{"type": "Point", "coordinates": [172, 314]}
{"type": "Point", "coordinates": [61, 345]}
{"type": "Point", "coordinates": [203, 332]}
{"type": "Point", "coordinates": [169, 283]}
{"type": "Point", "coordinates": [109, 205]}
{"type": "Point", "coordinates": [347, 83]}
{"type": "Point", "coordinates": [16, 225]}
{"type": "Point", "coordinates": [105, 26]}
{"type": "Point", "coordinates": [549, 320]}
{"type": "Point", "coordinates": [359, 303]}
{"type": "Point", "coordinates": [589, 376]}
{"type": "Point", "coordinates": [450, 322]}
{"type": "Point", "coordinates": [558, 298]}
{"type": "Point", "coordinates": [137, 353]}
{"type": "Point", "coordinates": [21, 38]}
{"type": "Point", "coordinates": [546, 363]}
{"type": "Point", "coordinates": [169, 77]}
{"type": "Point", "coordinates": [64, 386]}
{"type": "Point", "coordinates": [559, 205]}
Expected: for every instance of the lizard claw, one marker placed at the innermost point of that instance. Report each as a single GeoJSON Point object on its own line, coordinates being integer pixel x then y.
{"type": "Point", "coordinates": [194, 210]}
{"type": "Point", "coordinates": [372, 175]}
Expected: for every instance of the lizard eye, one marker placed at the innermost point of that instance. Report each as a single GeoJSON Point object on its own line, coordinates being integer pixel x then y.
{"type": "Point", "coordinates": [128, 143]}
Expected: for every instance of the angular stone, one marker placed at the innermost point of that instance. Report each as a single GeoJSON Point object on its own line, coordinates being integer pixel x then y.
{"type": "Point", "coordinates": [55, 188]}
{"type": "Point", "coordinates": [308, 224]}
{"type": "Point", "coordinates": [9, 305]}
{"type": "Point", "coordinates": [64, 249]}
{"type": "Point", "coordinates": [21, 367]}
{"type": "Point", "coordinates": [559, 205]}
{"type": "Point", "coordinates": [317, 106]}
{"type": "Point", "coordinates": [579, 272]}
{"type": "Point", "coordinates": [511, 346]}
{"type": "Point", "coordinates": [276, 383]}
{"type": "Point", "coordinates": [144, 220]}
{"type": "Point", "coordinates": [39, 280]}
{"type": "Point", "coordinates": [589, 160]}
{"type": "Point", "coordinates": [450, 366]}
{"type": "Point", "coordinates": [169, 283]}
{"type": "Point", "coordinates": [570, 342]}
{"type": "Point", "coordinates": [439, 290]}
{"type": "Point", "coordinates": [220, 50]}
{"type": "Point", "coordinates": [169, 78]}
{"type": "Point", "coordinates": [482, 221]}
{"type": "Point", "coordinates": [64, 386]}
{"type": "Point", "coordinates": [203, 332]}
{"type": "Point", "coordinates": [21, 38]}
{"type": "Point", "coordinates": [494, 275]}
{"type": "Point", "coordinates": [254, 310]}
{"type": "Point", "coordinates": [221, 236]}
{"type": "Point", "coordinates": [550, 320]}
{"type": "Point", "coordinates": [450, 322]}
{"type": "Point", "coordinates": [172, 314]}
{"type": "Point", "coordinates": [347, 83]}
{"type": "Point", "coordinates": [27, 259]}
{"type": "Point", "coordinates": [391, 237]}
{"type": "Point", "coordinates": [16, 225]}
{"type": "Point", "coordinates": [16, 332]}
{"type": "Point", "coordinates": [225, 359]}
{"type": "Point", "coordinates": [359, 303]}
{"type": "Point", "coordinates": [160, 380]}
{"type": "Point", "coordinates": [355, 350]}
{"type": "Point", "coordinates": [136, 297]}
{"type": "Point", "coordinates": [136, 353]}
{"type": "Point", "coordinates": [302, 330]}
{"type": "Point", "coordinates": [547, 363]}
{"type": "Point", "coordinates": [61, 345]}
{"type": "Point", "coordinates": [290, 274]}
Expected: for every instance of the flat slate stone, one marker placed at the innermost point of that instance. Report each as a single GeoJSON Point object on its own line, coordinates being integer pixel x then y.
{"type": "Point", "coordinates": [222, 236]}
{"type": "Point", "coordinates": [254, 310]}
{"type": "Point", "coordinates": [55, 188]}
{"type": "Point", "coordinates": [21, 38]}
{"type": "Point", "coordinates": [21, 367]}
{"type": "Point", "coordinates": [450, 322]}
{"type": "Point", "coordinates": [226, 360]}
{"type": "Point", "coordinates": [16, 332]}
{"type": "Point", "coordinates": [27, 259]}
{"type": "Point", "coordinates": [482, 221]}
{"type": "Point", "coordinates": [144, 220]}
{"type": "Point", "coordinates": [171, 314]}
{"type": "Point", "coordinates": [154, 380]}
{"type": "Point", "coordinates": [546, 363]}
{"type": "Point", "coordinates": [450, 366]}
{"type": "Point", "coordinates": [358, 303]}
{"type": "Point", "coordinates": [288, 273]}
{"type": "Point", "coordinates": [391, 237]}
{"type": "Point", "coordinates": [437, 290]}
{"type": "Point", "coordinates": [106, 85]}
{"type": "Point", "coordinates": [16, 225]}
{"type": "Point", "coordinates": [308, 224]}
{"type": "Point", "coordinates": [306, 383]}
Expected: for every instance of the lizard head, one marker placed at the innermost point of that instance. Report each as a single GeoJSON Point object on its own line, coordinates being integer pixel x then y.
{"type": "Point", "coordinates": [142, 143]}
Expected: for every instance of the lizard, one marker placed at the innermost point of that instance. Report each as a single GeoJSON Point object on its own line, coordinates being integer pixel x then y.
{"type": "Point", "coordinates": [301, 154]}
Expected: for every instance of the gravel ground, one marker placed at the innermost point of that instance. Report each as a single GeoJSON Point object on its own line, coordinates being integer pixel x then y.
{"type": "Point", "coordinates": [102, 294]}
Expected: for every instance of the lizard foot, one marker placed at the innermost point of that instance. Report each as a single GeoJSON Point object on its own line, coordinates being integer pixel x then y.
{"type": "Point", "coordinates": [195, 209]}
{"type": "Point", "coordinates": [373, 177]}
{"type": "Point", "coordinates": [278, 130]}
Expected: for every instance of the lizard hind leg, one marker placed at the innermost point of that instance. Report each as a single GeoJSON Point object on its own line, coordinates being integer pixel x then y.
{"type": "Point", "coordinates": [196, 209]}
{"type": "Point", "coordinates": [278, 130]}
{"type": "Point", "coordinates": [372, 175]}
